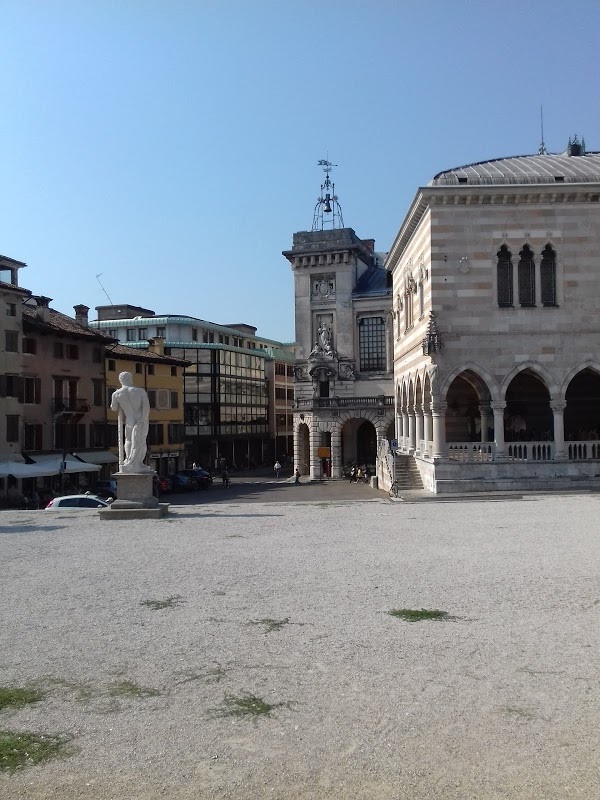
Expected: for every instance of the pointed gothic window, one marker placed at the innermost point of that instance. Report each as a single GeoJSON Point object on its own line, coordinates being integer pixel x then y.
{"type": "Point", "coordinates": [548, 276]}
{"type": "Point", "coordinates": [504, 272]}
{"type": "Point", "coordinates": [526, 277]}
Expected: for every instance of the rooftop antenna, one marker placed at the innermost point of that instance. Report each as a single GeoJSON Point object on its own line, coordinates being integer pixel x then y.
{"type": "Point", "coordinates": [102, 287]}
{"type": "Point", "coordinates": [327, 203]}
{"type": "Point", "coordinates": [542, 148]}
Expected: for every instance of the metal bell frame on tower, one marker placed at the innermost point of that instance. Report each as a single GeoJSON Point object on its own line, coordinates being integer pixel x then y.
{"type": "Point", "coordinates": [327, 203]}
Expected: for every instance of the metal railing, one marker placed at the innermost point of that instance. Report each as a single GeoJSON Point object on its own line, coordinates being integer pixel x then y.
{"type": "Point", "coordinates": [73, 405]}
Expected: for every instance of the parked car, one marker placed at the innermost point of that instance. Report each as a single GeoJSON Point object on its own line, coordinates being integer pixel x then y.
{"type": "Point", "coordinates": [184, 483]}
{"type": "Point", "coordinates": [76, 501]}
{"type": "Point", "coordinates": [201, 475]}
{"type": "Point", "coordinates": [105, 489]}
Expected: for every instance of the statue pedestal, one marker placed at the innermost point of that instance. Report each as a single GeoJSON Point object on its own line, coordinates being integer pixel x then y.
{"type": "Point", "coordinates": [135, 499]}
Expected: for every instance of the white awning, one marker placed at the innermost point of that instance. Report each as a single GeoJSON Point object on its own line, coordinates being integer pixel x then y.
{"type": "Point", "coordinates": [99, 457]}
{"type": "Point", "coordinates": [53, 462]}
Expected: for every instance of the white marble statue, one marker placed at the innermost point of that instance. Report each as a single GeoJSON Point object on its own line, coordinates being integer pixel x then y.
{"type": "Point", "coordinates": [132, 402]}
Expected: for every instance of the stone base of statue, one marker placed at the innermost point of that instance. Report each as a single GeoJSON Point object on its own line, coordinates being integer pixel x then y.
{"type": "Point", "coordinates": [135, 498]}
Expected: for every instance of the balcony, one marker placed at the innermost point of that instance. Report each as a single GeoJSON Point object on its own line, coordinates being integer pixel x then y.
{"type": "Point", "coordinates": [70, 405]}
{"type": "Point", "coordinates": [345, 402]}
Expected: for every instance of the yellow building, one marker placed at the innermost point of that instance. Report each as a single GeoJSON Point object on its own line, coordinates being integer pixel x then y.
{"type": "Point", "coordinates": [162, 377]}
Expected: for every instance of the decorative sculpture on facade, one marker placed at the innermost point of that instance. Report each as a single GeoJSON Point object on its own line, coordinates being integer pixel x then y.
{"type": "Point", "coordinates": [324, 345]}
{"type": "Point", "coordinates": [132, 402]}
{"type": "Point", "coordinates": [432, 343]}
{"type": "Point", "coordinates": [346, 371]}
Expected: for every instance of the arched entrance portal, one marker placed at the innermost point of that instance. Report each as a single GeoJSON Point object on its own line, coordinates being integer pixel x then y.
{"type": "Point", "coordinates": [527, 416]}
{"type": "Point", "coordinates": [582, 414]}
{"type": "Point", "coordinates": [366, 444]}
{"type": "Point", "coordinates": [463, 420]}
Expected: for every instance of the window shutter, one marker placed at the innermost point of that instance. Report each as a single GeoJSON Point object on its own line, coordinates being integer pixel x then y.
{"type": "Point", "coordinates": [21, 389]}
{"type": "Point", "coordinates": [37, 390]}
{"type": "Point", "coordinates": [526, 277]}
{"type": "Point", "coordinates": [2, 385]}
{"type": "Point", "coordinates": [504, 276]}
{"type": "Point", "coordinates": [548, 276]}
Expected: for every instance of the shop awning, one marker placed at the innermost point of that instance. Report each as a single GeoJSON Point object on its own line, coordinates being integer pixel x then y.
{"type": "Point", "coordinates": [20, 470]}
{"type": "Point", "coordinates": [52, 462]}
{"type": "Point", "coordinates": [99, 457]}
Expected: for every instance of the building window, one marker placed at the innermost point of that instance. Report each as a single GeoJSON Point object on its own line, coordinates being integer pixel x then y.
{"type": "Point", "coordinates": [97, 437]}
{"type": "Point", "coordinates": [97, 355]}
{"type": "Point", "coordinates": [150, 369]}
{"type": "Point", "coordinates": [72, 351]}
{"type": "Point", "coordinates": [11, 309]}
{"type": "Point", "coordinates": [221, 338]}
{"type": "Point", "coordinates": [194, 334]}
{"type": "Point", "coordinates": [32, 388]}
{"type": "Point", "coordinates": [504, 276]}
{"type": "Point", "coordinates": [156, 433]}
{"type": "Point", "coordinates": [176, 433]}
{"type": "Point", "coordinates": [152, 398]}
{"type": "Point", "coordinates": [11, 386]}
{"type": "Point", "coordinates": [279, 393]}
{"type": "Point", "coordinates": [205, 337]}
{"type": "Point", "coordinates": [112, 333]}
{"type": "Point", "coordinates": [161, 332]}
{"type": "Point", "coordinates": [32, 436]}
{"type": "Point", "coordinates": [142, 334]}
{"type": "Point", "coordinates": [131, 334]}
{"type": "Point", "coordinates": [139, 369]}
{"type": "Point", "coordinates": [98, 391]}
{"type": "Point", "coordinates": [111, 366]}
{"type": "Point", "coordinates": [11, 341]}
{"type": "Point", "coordinates": [526, 273]}
{"type": "Point", "coordinates": [12, 427]}
{"type": "Point", "coordinates": [290, 394]}
{"type": "Point", "coordinates": [548, 276]}
{"type": "Point", "coordinates": [59, 350]}
{"type": "Point", "coordinates": [29, 345]}
{"type": "Point", "coordinates": [371, 344]}
{"type": "Point", "coordinates": [173, 372]}
{"type": "Point", "coordinates": [174, 400]}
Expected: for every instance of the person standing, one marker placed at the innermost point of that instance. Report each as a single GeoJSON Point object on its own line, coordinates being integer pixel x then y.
{"type": "Point", "coordinates": [297, 476]}
{"type": "Point", "coordinates": [277, 468]}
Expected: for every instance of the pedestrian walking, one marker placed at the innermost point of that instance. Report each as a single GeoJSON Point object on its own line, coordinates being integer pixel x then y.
{"type": "Point", "coordinates": [277, 469]}
{"type": "Point", "coordinates": [352, 474]}
{"type": "Point", "coordinates": [297, 475]}
{"type": "Point", "coordinates": [359, 475]}
{"type": "Point", "coordinates": [225, 479]}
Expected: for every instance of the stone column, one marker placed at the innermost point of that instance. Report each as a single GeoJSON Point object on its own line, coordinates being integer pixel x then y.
{"type": "Point", "coordinates": [486, 415]}
{"type": "Point", "coordinates": [558, 410]}
{"type": "Point", "coordinates": [336, 452]}
{"type": "Point", "coordinates": [411, 429]}
{"type": "Point", "coordinates": [399, 431]}
{"type": "Point", "coordinates": [418, 428]}
{"type": "Point", "coordinates": [427, 426]}
{"type": "Point", "coordinates": [315, 461]}
{"type": "Point", "coordinates": [498, 409]}
{"type": "Point", "coordinates": [438, 415]}
{"type": "Point", "coordinates": [405, 428]}
{"type": "Point", "coordinates": [297, 460]}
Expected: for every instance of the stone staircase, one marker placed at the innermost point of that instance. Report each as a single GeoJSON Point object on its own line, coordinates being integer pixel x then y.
{"type": "Point", "coordinates": [407, 473]}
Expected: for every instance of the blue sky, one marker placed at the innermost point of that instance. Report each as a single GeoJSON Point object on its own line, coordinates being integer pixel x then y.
{"type": "Point", "coordinates": [172, 146]}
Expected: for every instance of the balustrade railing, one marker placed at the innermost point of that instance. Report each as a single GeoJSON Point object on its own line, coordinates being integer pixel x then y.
{"type": "Point", "coordinates": [473, 452]}
{"type": "Point", "coordinates": [345, 402]}
{"type": "Point", "coordinates": [583, 451]}
{"type": "Point", "coordinates": [530, 451]}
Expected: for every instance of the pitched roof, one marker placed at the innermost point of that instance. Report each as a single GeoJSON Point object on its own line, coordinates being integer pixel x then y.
{"type": "Point", "coordinates": [60, 325]}
{"type": "Point", "coordinates": [137, 354]}
{"type": "Point", "coordinates": [550, 168]}
{"type": "Point", "coordinates": [373, 281]}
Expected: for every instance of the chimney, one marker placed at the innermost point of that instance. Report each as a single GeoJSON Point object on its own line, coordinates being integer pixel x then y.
{"type": "Point", "coordinates": [157, 345]}
{"type": "Point", "coordinates": [81, 315]}
{"type": "Point", "coordinates": [42, 306]}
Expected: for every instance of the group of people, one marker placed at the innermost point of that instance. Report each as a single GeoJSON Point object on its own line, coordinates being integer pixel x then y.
{"type": "Point", "coordinates": [359, 474]}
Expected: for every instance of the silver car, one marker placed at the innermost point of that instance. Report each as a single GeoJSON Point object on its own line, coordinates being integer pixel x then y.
{"type": "Point", "coordinates": [76, 501]}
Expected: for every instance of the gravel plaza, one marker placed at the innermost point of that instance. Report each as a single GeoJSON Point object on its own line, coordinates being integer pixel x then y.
{"type": "Point", "coordinates": [242, 648]}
